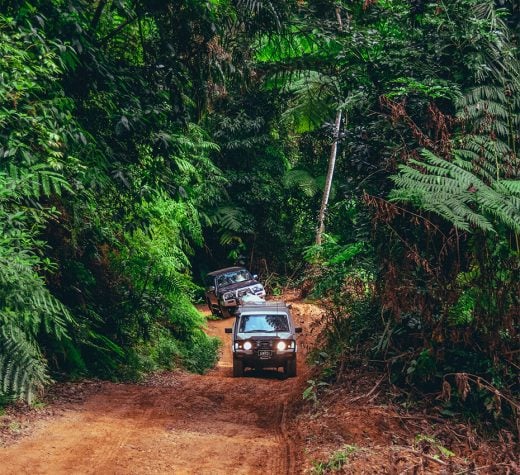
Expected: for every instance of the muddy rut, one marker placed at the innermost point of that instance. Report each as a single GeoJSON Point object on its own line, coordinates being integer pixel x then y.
{"type": "Point", "coordinates": [185, 423]}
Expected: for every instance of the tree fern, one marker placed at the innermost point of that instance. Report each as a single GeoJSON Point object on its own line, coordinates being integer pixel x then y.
{"type": "Point", "coordinates": [314, 100]}
{"type": "Point", "coordinates": [301, 179]}
{"type": "Point", "coordinates": [456, 193]}
{"type": "Point", "coordinates": [233, 219]}
{"type": "Point", "coordinates": [477, 186]}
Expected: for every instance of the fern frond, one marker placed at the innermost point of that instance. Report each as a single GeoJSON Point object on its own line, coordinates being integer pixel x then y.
{"type": "Point", "coordinates": [301, 179]}
{"type": "Point", "coordinates": [313, 101]}
{"type": "Point", "coordinates": [233, 219]}
{"type": "Point", "coordinates": [477, 94]}
{"type": "Point", "coordinates": [456, 191]}
{"type": "Point", "coordinates": [23, 371]}
{"type": "Point", "coordinates": [36, 181]}
{"type": "Point", "coordinates": [512, 186]}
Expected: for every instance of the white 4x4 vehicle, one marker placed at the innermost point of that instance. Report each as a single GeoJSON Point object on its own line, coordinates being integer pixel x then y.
{"type": "Point", "coordinates": [225, 289]}
{"type": "Point", "coordinates": [264, 336]}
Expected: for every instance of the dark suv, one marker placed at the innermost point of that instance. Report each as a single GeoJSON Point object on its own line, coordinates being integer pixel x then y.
{"type": "Point", "coordinates": [226, 287]}
{"type": "Point", "coordinates": [264, 336]}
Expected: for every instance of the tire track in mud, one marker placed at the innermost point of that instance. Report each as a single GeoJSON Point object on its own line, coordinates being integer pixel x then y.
{"type": "Point", "coordinates": [290, 456]}
{"type": "Point", "coordinates": [183, 424]}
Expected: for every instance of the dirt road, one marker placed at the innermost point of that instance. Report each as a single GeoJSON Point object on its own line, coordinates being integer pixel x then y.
{"type": "Point", "coordinates": [185, 424]}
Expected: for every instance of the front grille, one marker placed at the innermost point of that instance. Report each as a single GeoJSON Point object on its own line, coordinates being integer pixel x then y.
{"type": "Point", "coordinates": [263, 344]}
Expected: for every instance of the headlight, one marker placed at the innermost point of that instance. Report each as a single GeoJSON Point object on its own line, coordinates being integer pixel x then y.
{"type": "Point", "coordinates": [281, 345]}
{"type": "Point", "coordinates": [248, 345]}
{"type": "Point", "coordinates": [258, 288]}
{"type": "Point", "coordinates": [229, 295]}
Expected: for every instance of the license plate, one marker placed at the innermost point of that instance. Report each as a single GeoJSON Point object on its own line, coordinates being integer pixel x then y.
{"type": "Point", "coordinates": [264, 354]}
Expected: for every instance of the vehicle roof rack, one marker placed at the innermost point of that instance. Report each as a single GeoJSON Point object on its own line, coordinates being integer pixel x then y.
{"type": "Point", "coordinates": [225, 269]}
{"type": "Point", "coordinates": [266, 306]}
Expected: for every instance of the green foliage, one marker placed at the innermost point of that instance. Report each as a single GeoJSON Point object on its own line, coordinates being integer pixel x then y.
{"type": "Point", "coordinates": [198, 353]}
{"type": "Point", "coordinates": [139, 141]}
{"type": "Point", "coordinates": [337, 268]}
{"type": "Point", "coordinates": [336, 461]}
{"type": "Point", "coordinates": [423, 368]}
{"type": "Point", "coordinates": [32, 130]}
{"type": "Point", "coordinates": [463, 311]}
{"type": "Point", "coordinates": [427, 206]}
{"type": "Point", "coordinates": [430, 87]}
{"type": "Point", "coordinates": [311, 392]}
{"type": "Point", "coordinates": [23, 372]}
{"type": "Point", "coordinates": [303, 180]}
{"type": "Point", "coordinates": [161, 352]}
{"type": "Point", "coordinates": [454, 191]}
{"type": "Point", "coordinates": [103, 187]}
{"type": "Point", "coordinates": [313, 102]}
{"type": "Point", "coordinates": [201, 352]}
{"type": "Point", "coordinates": [422, 440]}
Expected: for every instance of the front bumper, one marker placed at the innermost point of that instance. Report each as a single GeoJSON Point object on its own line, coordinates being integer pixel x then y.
{"type": "Point", "coordinates": [253, 359]}
{"type": "Point", "coordinates": [235, 301]}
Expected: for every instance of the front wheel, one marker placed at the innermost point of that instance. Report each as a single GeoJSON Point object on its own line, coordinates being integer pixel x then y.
{"type": "Point", "coordinates": [238, 368]}
{"type": "Point", "coordinates": [290, 368]}
{"type": "Point", "coordinates": [215, 309]}
{"type": "Point", "coordinates": [227, 312]}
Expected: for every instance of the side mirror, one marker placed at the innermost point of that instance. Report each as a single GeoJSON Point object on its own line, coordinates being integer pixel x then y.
{"type": "Point", "coordinates": [211, 288]}
{"type": "Point", "coordinates": [255, 276]}
{"type": "Point", "coordinates": [230, 330]}
{"type": "Point", "coordinates": [298, 330]}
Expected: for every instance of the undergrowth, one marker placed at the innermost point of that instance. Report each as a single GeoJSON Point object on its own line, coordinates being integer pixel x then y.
{"type": "Point", "coordinates": [357, 328]}
{"type": "Point", "coordinates": [336, 461]}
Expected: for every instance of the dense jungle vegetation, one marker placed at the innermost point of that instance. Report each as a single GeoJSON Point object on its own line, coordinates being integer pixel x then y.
{"type": "Point", "coordinates": [146, 142]}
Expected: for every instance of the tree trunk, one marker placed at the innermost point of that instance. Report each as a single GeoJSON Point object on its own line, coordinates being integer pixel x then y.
{"type": "Point", "coordinates": [97, 15]}
{"type": "Point", "coordinates": [328, 181]}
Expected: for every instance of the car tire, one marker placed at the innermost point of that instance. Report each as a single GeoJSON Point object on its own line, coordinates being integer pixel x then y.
{"type": "Point", "coordinates": [290, 368]}
{"type": "Point", "coordinates": [225, 312]}
{"type": "Point", "coordinates": [215, 310]}
{"type": "Point", "coordinates": [238, 368]}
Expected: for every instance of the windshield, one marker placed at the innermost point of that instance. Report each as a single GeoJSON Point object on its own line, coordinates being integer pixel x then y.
{"type": "Point", "coordinates": [233, 277]}
{"type": "Point", "coordinates": [263, 323]}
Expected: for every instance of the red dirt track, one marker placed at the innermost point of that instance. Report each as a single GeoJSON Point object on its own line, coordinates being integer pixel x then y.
{"type": "Point", "coordinates": [179, 423]}
{"type": "Point", "coordinates": [182, 424]}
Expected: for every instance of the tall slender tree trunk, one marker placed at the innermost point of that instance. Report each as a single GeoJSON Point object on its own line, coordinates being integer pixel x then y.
{"type": "Point", "coordinates": [328, 181]}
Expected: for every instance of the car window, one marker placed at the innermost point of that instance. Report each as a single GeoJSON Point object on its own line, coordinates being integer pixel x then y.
{"type": "Point", "coordinates": [263, 323]}
{"type": "Point", "coordinates": [233, 277]}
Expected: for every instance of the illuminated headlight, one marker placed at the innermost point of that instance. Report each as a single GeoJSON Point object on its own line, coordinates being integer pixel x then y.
{"type": "Point", "coordinates": [229, 295]}
{"type": "Point", "coordinates": [248, 345]}
{"type": "Point", "coordinates": [281, 345]}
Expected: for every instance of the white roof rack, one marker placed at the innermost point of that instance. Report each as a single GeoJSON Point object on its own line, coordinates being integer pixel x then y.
{"type": "Point", "coordinates": [269, 306]}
